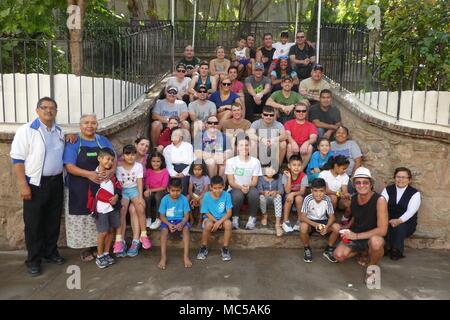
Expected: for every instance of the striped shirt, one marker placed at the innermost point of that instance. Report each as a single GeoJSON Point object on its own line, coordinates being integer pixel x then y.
{"type": "Point", "coordinates": [317, 211]}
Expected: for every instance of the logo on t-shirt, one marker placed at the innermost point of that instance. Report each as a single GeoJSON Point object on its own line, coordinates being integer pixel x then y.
{"type": "Point", "coordinates": [221, 207]}
{"type": "Point", "coordinates": [170, 212]}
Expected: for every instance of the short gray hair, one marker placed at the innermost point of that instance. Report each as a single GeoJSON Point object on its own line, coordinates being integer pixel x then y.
{"type": "Point", "coordinates": [88, 115]}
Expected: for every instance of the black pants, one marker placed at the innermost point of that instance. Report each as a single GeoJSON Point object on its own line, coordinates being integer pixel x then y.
{"type": "Point", "coordinates": [155, 199]}
{"type": "Point", "coordinates": [42, 218]}
{"type": "Point", "coordinates": [396, 236]}
{"type": "Point", "coordinates": [251, 107]}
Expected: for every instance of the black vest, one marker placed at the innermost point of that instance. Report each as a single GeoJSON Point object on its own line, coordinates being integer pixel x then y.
{"type": "Point", "coordinates": [365, 216]}
{"type": "Point", "coordinates": [396, 210]}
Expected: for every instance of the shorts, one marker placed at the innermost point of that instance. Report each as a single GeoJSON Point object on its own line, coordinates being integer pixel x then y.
{"type": "Point", "coordinates": [317, 221]}
{"type": "Point", "coordinates": [244, 62]}
{"type": "Point", "coordinates": [175, 222]}
{"type": "Point", "coordinates": [358, 245]}
{"type": "Point", "coordinates": [107, 221]}
{"type": "Point", "coordinates": [205, 219]}
{"type": "Point", "coordinates": [130, 193]}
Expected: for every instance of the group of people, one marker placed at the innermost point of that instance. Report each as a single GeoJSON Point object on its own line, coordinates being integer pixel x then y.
{"type": "Point", "coordinates": [205, 157]}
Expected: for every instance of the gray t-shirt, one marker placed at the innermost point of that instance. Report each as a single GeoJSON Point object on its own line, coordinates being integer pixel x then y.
{"type": "Point", "coordinates": [257, 86]}
{"type": "Point", "coordinates": [267, 132]}
{"type": "Point", "coordinates": [202, 111]}
{"type": "Point", "coordinates": [349, 149]}
{"type": "Point", "coordinates": [165, 109]}
{"type": "Point", "coordinates": [332, 116]}
{"type": "Point", "coordinates": [199, 184]}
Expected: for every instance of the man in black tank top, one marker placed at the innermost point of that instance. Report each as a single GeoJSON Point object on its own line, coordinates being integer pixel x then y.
{"type": "Point", "coordinates": [265, 53]}
{"type": "Point", "coordinates": [368, 225]}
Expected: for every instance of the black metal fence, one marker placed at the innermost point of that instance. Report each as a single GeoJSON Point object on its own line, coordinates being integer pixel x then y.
{"type": "Point", "coordinates": [115, 71]}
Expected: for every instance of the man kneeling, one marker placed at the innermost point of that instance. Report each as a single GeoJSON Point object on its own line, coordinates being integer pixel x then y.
{"type": "Point", "coordinates": [318, 215]}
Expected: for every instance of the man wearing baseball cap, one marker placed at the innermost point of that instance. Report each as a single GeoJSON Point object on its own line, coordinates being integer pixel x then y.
{"type": "Point", "coordinates": [368, 225]}
{"type": "Point", "coordinates": [257, 90]}
{"type": "Point", "coordinates": [310, 88]}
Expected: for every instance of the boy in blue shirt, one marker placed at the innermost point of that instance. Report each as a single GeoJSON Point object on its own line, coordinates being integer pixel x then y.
{"type": "Point", "coordinates": [174, 215]}
{"type": "Point", "coordinates": [216, 208]}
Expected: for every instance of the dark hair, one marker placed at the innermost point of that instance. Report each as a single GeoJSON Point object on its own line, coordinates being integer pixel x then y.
{"type": "Point", "coordinates": [323, 139]}
{"type": "Point", "coordinates": [251, 35]}
{"type": "Point", "coordinates": [345, 128]}
{"type": "Point", "coordinates": [267, 108]}
{"type": "Point", "coordinates": [242, 37]}
{"type": "Point", "coordinates": [267, 34]}
{"type": "Point", "coordinates": [284, 34]}
{"type": "Point", "coordinates": [139, 139]}
{"type": "Point", "coordinates": [326, 91]}
{"type": "Point", "coordinates": [278, 69]}
{"type": "Point", "coordinates": [39, 103]}
{"type": "Point", "coordinates": [204, 63]}
{"type": "Point", "coordinates": [295, 157]}
{"type": "Point", "coordinates": [400, 169]}
{"type": "Point", "coordinates": [175, 183]}
{"type": "Point", "coordinates": [202, 164]}
{"type": "Point", "coordinates": [129, 148]}
{"type": "Point", "coordinates": [266, 166]}
{"type": "Point", "coordinates": [217, 180]}
{"type": "Point", "coordinates": [155, 154]}
{"type": "Point", "coordinates": [174, 118]}
{"type": "Point", "coordinates": [232, 67]}
{"type": "Point", "coordinates": [244, 138]}
{"type": "Point", "coordinates": [300, 31]}
{"type": "Point", "coordinates": [318, 183]}
{"type": "Point", "coordinates": [339, 160]}
{"type": "Point", "coordinates": [106, 152]}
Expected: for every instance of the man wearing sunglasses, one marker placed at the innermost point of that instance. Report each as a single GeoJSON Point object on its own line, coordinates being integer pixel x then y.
{"type": "Point", "coordinates": [302, 134]}
{"type": "Point", "coordinates": [310, 88]}
{"type": "Point", "coordinates": [181, 82]}
{"type": "Point", "coordinates": [302, 55]}
{"type": "Point", "coordinates": [368, 225]}
{"type": "Point", "coordinates": [200, 110]}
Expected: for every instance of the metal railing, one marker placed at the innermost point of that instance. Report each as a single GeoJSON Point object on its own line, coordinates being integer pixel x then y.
{"type": "Point", "coordinates": [352, 58]}
{"type": "Point", "coordinates": [115, 72]}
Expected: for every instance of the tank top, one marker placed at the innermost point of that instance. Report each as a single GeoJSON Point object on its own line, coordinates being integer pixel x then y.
{"type": "Point", "coordinates": [207, 83]}
{"type": "Point", "coordinates": [268, 54]}
{"type": "Point", "coordinates": [219, 66]}
{"type": "Point", "coordinates": [241, 54]}
{"type": "Point", "coordinates": [365, 215]}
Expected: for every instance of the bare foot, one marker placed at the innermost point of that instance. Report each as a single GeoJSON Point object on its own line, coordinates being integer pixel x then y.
{"type": "Point", "coordinates": [264, 220]}
{"type": "Point", "coordinates": [363, 260]}
{"type": "Point", "coordinates": [162, 264]}
{"type": "Point", "coordinates": [187, 263]}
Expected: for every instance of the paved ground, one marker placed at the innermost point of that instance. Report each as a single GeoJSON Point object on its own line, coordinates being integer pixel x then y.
{"type": "Point", "coordinates": [252, 274]}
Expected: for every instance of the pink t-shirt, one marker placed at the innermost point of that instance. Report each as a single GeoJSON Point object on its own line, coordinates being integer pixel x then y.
{"type": "Point", "coordinates": [300, 132]}
{"type": "Point", "coordinates": [237, 86]}
{"type": "Point", "coordinates": [155, 180]}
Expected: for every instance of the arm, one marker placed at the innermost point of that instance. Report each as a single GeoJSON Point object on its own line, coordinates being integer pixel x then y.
{"type": "Point", "coordinates": [250, 89]}
{"type": "Point", "coordinates": [184, 116]}
{"type": "Point", "coordinates": [254, 182]}
{"type": "Point", "coordinates": [267, 89]}
{"type": "Point", "coordinates": [191, 190]}
{"type": "Point", "coordinates": [212, 68]}
{"type": "Point", "coordinates": [76, 171]}
{"type": "Point", "coordinates": [232, 183]}
{"type": "Point", "coordinates": [275, 81]}
{"type": "Point", "coordinates": [25, 191]}
{"type": "Point", "coordinates": [413, 207]}
{"type": "Point", "coordinates": [159, 118]}
{"type": "Point", "coordinates": [358, 162]}
{"type": "Point", "coordinates": [192, 85]}
{"type": "Point", "coordinates": [324, 125]}
{"type": "Point", "coordinates": [382, 223]}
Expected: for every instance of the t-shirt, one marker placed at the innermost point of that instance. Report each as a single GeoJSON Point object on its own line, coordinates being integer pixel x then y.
{"type": "Point", "coordinates": [297, 184]}
{"type": "Point", "coordinates": [278, 76]}
{"type": "Point", "coordinates": [300, 132]}
{"type": "Point", "coordinates": [281, 49]}
{"type": "Point", "coordinates": [315, 210]}
{"type": "Point", "coordinates": [211, 143]}
{"type": "Point", "coordinates": [313, 88]}
{"type": "Point", "coordinates": [307, 52]}
{"type": "Point", "coordinates": [168, 110]}
{"type": "Point", "coordinates": [332, 116]}
{"type": "Point", "coordinates": [228, 124]}
{"type": "Point", "coordinates": [317, 161]}
{"type": "Point", "coordinates": [190, 64]}
{"type": "Point", "coordinates": [174, 209]}
{"type": "Point", "coordinates": [128, 178]}
{"type": "Point", "coordinates": [267, 132]}
{"type": "Point", "coordinates": [237, 86]}
{"type": "Point", "coordinates": [181, 86]}
{"type": "Point", "coordinates": [71, 149]}
{"type": "Point", "coordinates": [154, 180]}
{"type": "Point", "coordinates": [199, 184]}
{"type": "Point", "coordinates": [349, 149]}
{"type": "Point", "coordinates": [215, 97]}
{"type": "Point", "coordinates": [202, 111]}
{"type": "Point", "coordinates": [334, 183]}
{"type": "Point", "coordinates": [243, 171]}
{"type": "Point", "coordinates": [258, 86]}
{"type": "Point", "coordinates": [216, 207]}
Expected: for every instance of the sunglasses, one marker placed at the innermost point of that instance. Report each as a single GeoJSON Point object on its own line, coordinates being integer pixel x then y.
{"type": "Point", "coordinates": [361, 183]}
{"type": "Point", "coordinates": [268, 115]}
{"type": "Point", "coordinates": [171, 93]}
{"type": "Point", "coordinates": [226, 84]}
{"type": "Point", "coordinates": [181, 70]}
{"type": "Point", "coordinates": [213, 122]}
{"type": "Point", "coordinates": [300, 111]}
{"type": "Point", "coordinates": [202, 91]}
{"type": "Point", "coordinates": [300, 37]}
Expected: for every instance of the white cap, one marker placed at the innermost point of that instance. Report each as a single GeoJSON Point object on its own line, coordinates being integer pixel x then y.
{"type": "Point", "coordinates": [362, 172]}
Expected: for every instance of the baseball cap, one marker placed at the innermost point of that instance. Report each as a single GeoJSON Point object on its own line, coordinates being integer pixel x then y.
{"type": "Point", "coordinates": [181, 66]}
{"type": "Point", "coordinates": [202, 86]}
{"type": "Point", "coordinates": [362, 172]}
{"type": "Point", "coordinates": [318, 67]}
{"type": "Point", "coordinates": [259, 66]}
{"type": "Point", "coordinates": [286, 77]}
{"type": "Point", "coordinates": [172, 90]}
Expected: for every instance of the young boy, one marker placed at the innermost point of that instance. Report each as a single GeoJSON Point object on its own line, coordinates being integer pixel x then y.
{"type": "Point", "coordinates": [282, 49]}
{"type": "Point", "coordinates": [240, 57]}
{"type": "Point", "coordinates": [295, 182]}
{"type": "Point", "coordinates": [318, 215]}
{"type": "Point", "coordinates": [216, 207]}
{"type": "Point", "coordinates": [103, 201]}
{"type": "Point", "coordinates": [174, 215]}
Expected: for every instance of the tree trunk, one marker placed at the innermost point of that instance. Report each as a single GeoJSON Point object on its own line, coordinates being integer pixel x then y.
{"type": "Point", "coordinates": [152, 12]}
{"type": "Point", "coordinates": [76, 39]}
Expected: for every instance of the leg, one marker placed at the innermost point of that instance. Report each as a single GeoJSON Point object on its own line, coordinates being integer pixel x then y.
{"type": "Point", "coordinates": [187, 261]}
{"type": "Point", "coordinates": [33, 219]}
{"type": "Point", "coordinates": [334, 234]}
{"type": "Point", "coordinates": [288, 207]}
{"type": "Point", "coordinates": [298, 206]}
{"type": "Point", "coordinates": [334, 200]}
{"type": "Point", "coordinates": [289, 151]}
{"type": "Point", "coordinates": [306, 156]}
{"type": "Point", "coordinates": [278, 206]}
{"type": "Point", "coordinates": [282, 151]}
{"type": "Point", "coordinates": [108, 240]}
{"type": "Point", "coordinates": [52, 219]}
{"type": "Point", "coordinates": [253, 199]}
{"type": "Point", "coordinates": [227, 235]}
{"type": "Point", "coordinates": [263, 204]}
{"type": "Point", "coordinates": [305, 229]}
{"type": "Point", "coordinates": [211, 165]}
{"type": "Point", "coordinates": [140, 211]}
{"type": "Point", "coordinates": [238, 198]}
{"type": "Point", "coordinates": [249, 106]}
{"type": "Point", "coordinates": [134, 219]}
{"type": "Point", "coordinates": [398, 235]}
{"type": "Point", "coordinates": [342, 253]}
{"type": "Point", "coordinates": [101, 243]}
{"type": "Point", "coordinates": [163, 261]}
{"type": "Point", "coordinates": [376, 249]}
{"type": "Point", "coordinates": [156, 128]}
{"type": "Point", "coordinates": [206, 233]}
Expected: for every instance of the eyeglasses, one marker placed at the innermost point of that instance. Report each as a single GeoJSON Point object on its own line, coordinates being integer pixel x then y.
{"type": "Point", "coordinates": [300, 111]}
{"type": "Point", "coordinates": [361, 183]}
{"type": "Point", "coordinates": [213, 122]}
{"type": "Point", "coordinates": [181, 70]}
{"type": "Point", "coordinates": [300, 37]}
{"type": "Point", "coordinates": [401, 177]}
{"type": "Point", "coordinates": [268, 115]}
{"type": "Point", "coordinates": [202, 91]}
{"type": "Point", "coordinates": [48, 109]}
{"type": "Point", "coordinates": [226, 84]}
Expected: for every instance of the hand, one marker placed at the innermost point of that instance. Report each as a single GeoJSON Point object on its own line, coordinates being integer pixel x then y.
{"type": "Point", "coordinates": [113, 200]}
{"type": "Point", "coordinates": [264, 59]}
{"type": "Point", "coordinates": [94, 177]}
{"type": "Point", "coordinates": [172, 228]}
{"type": "Point", "coordinates": [295, 148]}
{"type": "Point", "coordinates": [346, 196]}
{"type": "Point", "coordinates": [180, 175]}
{"type": "Point", "coordinates": [307, 61]}
{"type": "Point", "coordinates": [147, 193]}
{"type": "Point", "coordinates": [71, 138]}
{"type": "Point", "coordinates": [273, 194]}
{"type": "Point", "coordinates": [245, 188]}
{"type": "Point", "coordinates": [349, 234]}
{"type": "Point", "coordinates": [287, 174]}
{"type": "Point", "coordinates": [395, 222]}
{"type": "Point", "coordinates": [304, 148]}
{"type": "Point", "coordinates": [286, 110]}
{"type": "Point", "coordinates": [25, 192]}
{"type": "Point", "coordinates": [216, 226]}
{"type": "Point", "coordinates": [180, 226]}
{"type": "Point", "coordinates": [316, 170]}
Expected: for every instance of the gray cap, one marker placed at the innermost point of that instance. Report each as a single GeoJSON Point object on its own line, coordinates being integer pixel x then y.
{"type": "Point", "coordinates": [259, 66]}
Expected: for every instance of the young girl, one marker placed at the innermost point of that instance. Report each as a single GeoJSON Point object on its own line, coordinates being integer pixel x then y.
{"type": "Point", "coordinates": [270, 189]}
{"type": "Point", "coordinates": [318, 159]}
{"type": "Point", "coordinates": [198, 185]}
{"type": "Point", "coordinates": [155, 182]}
{"type": "Point", "coordinates": [130, 174]}
{"type": "Point", "coordinates": [337, 181]}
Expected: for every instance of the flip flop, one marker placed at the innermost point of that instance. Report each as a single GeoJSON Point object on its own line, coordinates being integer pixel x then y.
{"type": "Point", "coordinates": [87, 256]}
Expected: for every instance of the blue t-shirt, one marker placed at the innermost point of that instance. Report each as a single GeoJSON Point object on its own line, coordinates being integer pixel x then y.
{"type": "Point", "coordinates": [215, 97]}
{"type": "Point", "coordinates": [71, 149]}
{"type": "Point", "coordinates": [317, 161]}
{"type": "Point", "coordinates": [174, 210]}
{"type": "Point", "coordinates": [216, 207]}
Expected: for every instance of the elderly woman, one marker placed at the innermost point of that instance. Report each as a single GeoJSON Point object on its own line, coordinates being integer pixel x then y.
{"type": "Point", "coordinates": [212, 146]}
{"type": "Point", "coordinates": [80, 161]}
{"type": "Point", "coordinates": [348, 148]}
{"type": "Point", "coordinates": [403, 205]}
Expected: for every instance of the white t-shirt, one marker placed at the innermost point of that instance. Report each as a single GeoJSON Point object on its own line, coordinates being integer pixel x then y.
{"type": "Point", "coordinates": [281, 49]}
{"type": "Point", "coordinates": [181, 86]}
{"type": "Point", "coordinates": [128, 178]}
{"type": "Point", "coordinates": [334, 183]}
{"type": "Point", "coordinates": [243, 171]}
{"type": "Point", "coordinates": [317, 211]}
{"type": "Point", "coordinates": [105, 207]}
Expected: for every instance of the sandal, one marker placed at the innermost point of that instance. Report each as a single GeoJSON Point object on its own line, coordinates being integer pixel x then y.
{"type": "Point", "coordinates": [87, 255]}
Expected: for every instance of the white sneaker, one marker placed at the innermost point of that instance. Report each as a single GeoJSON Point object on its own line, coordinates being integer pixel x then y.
{"type": "Point", "coordinates": [251, 223]}
{"type": "Point", "coordinates": [235, 222]}
{"type": "Point", "coordinates": [296, 226]}
{"type": "Point", "coordinates": [155, 225]}
{"type": "Point", "coordinates": [287, 227]}
{"type": "Point", "coordinates": [149, 222]}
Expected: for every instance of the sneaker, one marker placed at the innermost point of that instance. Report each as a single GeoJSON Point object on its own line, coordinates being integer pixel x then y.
{"type": "Point", "coordinates": [287, 227]}
{"type": "Point", "coordinates": [202, 253]}
{"type": "Point", "coordinates": [148, 222]}
{"type": "Point", "coordinates": [235, 222]}
{"type": "Point", "coordinates": [307, 254]}
{"type": "Point", "coordinates": [251, 223]}
{"type": "Point", "coordinates": [296, 226]}
{"type": "Point", "coordinates": [134, 249]}
{"type": "Point", "coordinates": [328, 253]}
{"type": "Point", "coordinates": [101, 262]}
{"type": "Point", "coordinates": [122, 253]}
{"type": "Point", "coordinates": [146, 243]}
{"type": "Point", "coordinates": [118, 246]}
{"type": "Point", "coordinates": [155, 225]}
{"type": "Point", "coordinates": [110, 259]}
{"type": "Point", "coordinates": [226, 256]}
